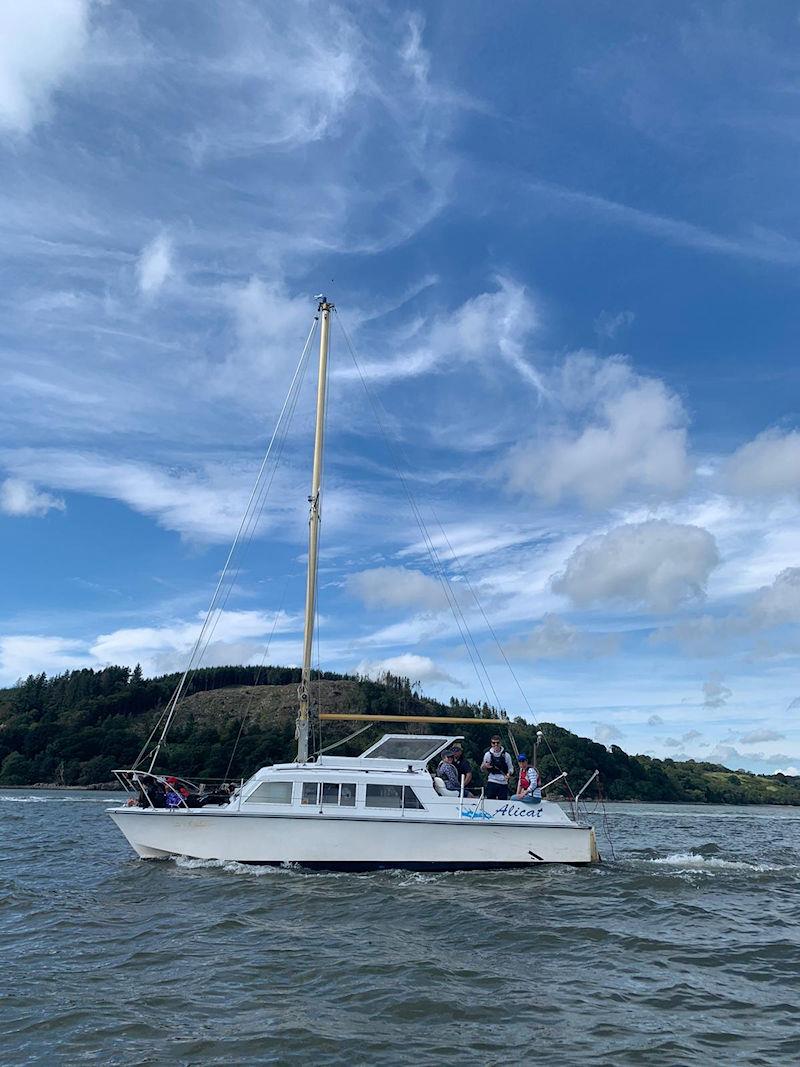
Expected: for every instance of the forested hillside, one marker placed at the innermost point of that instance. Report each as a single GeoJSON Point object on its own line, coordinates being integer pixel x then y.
{"type": "Point", "coordinates": [74, 728]}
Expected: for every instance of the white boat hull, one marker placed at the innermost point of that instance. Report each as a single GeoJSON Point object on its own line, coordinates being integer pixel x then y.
{"type": "Point", "coordinates": [365, 842]}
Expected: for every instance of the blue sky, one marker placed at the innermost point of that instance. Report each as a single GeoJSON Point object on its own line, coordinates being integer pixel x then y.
{"type": "Point", "coordinates": [565, 241]}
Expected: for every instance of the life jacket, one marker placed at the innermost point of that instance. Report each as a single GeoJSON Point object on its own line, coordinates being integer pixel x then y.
{"type": "Point", "coordinates": [498, 762]}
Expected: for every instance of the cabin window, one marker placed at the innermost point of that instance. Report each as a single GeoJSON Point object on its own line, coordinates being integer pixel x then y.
{"type": "Point", "coordinates": [309, 794]}
{"type": "Point", "coordinates": [271, 793]}
{"type": "Point", "coordinates": [348, 797]}
{"type": "Point", "coordinates": [384, 796]}
{"type": "Point", "coordinates": [330, 793]}
{"type": "Point", "coordinates": [410, 799]}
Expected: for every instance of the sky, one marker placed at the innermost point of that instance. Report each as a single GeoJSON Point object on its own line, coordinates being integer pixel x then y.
{"type": "Point", "coordinates": [564, 241]}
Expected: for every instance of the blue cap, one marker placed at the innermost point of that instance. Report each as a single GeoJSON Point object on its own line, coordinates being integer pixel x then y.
{"type": "Point", "coordinates": [522, 757]}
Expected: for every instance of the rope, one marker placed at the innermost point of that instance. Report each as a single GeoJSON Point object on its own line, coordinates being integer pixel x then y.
{"type": "Point", "coordinates": [258, 492]}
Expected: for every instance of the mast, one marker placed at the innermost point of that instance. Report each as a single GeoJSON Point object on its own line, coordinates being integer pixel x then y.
{"type": "Point", "coordinates": [324, 310]}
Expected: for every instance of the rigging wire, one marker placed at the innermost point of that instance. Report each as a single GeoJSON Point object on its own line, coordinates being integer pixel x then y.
{"type": "Point", "coordinates": [497, 641]}
{"type": "Point", "coordinates": [438, 568]}
{"type": "Point", "coordinates": [441, 573]}
{"type": "Point", "coordinates": [257, 493]}
{"type": "Point", "coordinates": [251, 698]}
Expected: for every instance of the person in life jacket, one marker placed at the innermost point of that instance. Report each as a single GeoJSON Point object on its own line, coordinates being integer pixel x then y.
{"type": "Point", "coordinates": [174, 795]}
{"type": "Point", "coordinates": [528, 788]}
{"type": "Point", "coordinates": [498, 766]}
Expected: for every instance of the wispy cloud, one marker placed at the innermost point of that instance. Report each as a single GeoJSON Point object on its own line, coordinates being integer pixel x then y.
{"type": "Point", "coordinates": [20, 498]}
{"type": "Point", "coordinates": [757, 243]}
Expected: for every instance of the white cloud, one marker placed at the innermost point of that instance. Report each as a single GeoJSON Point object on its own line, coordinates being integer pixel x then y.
{"type": "Point", "coordinates": [759, 243]}
{"type": "Point", "coordinates": [206, 505]}
{"type": "Point", "coordinates": [715, 694]}
{"type": "Point", "coordinates": [766, 466]}
{"type": "Point", "coordinates": [408, 665]}
{"type": "Point", "coordinates": [790, 772]}
{"type": "Point", "coordinates": [485, 329]}
{"type": "Point", "coordinates": [754, 737]}
{"type": "Point", "coordinates": [397, 587]}
{"type": "Point", "coordinates": [780, 602]}
{"type": "Point", "coordinates": [608, 325]}
{"type": "Point", "coordinates": [606, 733]}
{"type": "Point", "coordinates": [41, 44]}
{"type": "Point", "coordinates": [238, 637]}
{"type": "Point", "coordinates": [18, 497]}
{"type": "Point", "coordinates": [657, 563]}
{"type": "Point", "coordinates": [155, 264]}
{"type": "Point", "coordinates": [630, 435]}
{"type": "Point", "coordinates": [24, 654]}
{"type": "Point", "coordinates": [554, 638]}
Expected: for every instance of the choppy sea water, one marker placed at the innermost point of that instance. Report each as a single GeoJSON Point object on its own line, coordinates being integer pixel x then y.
{"type": "Point", "coordinates": [684, 949]}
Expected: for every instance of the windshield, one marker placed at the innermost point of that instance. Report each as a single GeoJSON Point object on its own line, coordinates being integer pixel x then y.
{"type": "Point", "coordinates": [406, 748]}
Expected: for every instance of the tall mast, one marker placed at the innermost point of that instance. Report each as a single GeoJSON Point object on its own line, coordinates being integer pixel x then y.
{"type": "Point", "coordinates": [302, 730]}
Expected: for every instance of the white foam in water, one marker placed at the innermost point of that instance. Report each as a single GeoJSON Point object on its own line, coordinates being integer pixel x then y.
{"type": "Point", "coordinates": [55, 800]}
{"type": "Point", "coordinates": [692, 861]}
{"type": "Point", "coordinates": [232, 866]}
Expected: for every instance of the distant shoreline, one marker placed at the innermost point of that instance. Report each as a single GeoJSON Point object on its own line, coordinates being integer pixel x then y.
{"type": "Point", "coordinates": [114, 787]}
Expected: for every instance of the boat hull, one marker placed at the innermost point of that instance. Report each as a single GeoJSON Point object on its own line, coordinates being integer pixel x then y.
{"type": "Point", "coordinates": [366, 843]}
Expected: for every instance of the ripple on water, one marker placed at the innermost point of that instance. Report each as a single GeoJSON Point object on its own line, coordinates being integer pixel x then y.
{"type": "Point", "coordinates": [680, 951]}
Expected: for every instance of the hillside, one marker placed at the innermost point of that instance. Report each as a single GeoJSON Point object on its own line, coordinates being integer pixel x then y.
{"type": "Point", "coordinates": [74, 728]}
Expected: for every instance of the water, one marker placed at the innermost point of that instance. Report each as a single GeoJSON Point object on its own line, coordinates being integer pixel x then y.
{"type": "Point", "coordinates": [683, 950]}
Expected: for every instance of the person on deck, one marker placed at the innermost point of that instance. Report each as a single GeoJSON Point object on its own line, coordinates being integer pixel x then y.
{"type": "Point", "coordinates": [498, 766]}
{"type": "Point", "coordinates": [175, 797]}
{"type": "Point", "coordinates": [447, 772]}
{"type": "Point", "coordinates": [528, 788]}
{"type": "Point", "coordinates": [463, 768]}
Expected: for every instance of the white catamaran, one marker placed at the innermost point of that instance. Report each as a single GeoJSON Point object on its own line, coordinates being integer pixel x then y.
{"type": "Point", "coordinates": [384, 808]}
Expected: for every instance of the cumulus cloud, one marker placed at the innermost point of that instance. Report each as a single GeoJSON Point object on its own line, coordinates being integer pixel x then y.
{"type": "Point", "coordinates": [778, 603]}
{"type": "Point", "coordinates": [397, 587]}
{"type": "Point", "coordinates": [40, 45]}
{"type": "Point", "coordinates": [20, 498]}
{"type": "Point", "coordinates": [657, 563]}
{"type": "Point", "coordinates": [757, 736]}
{"type": "Point", "coordinates": [408, 665]}
{"type": "Point", "coordinates": [715, 694]}
{"type": "Point", "coordinates": [155, 264]}
{"type": "Point", "coordinates": [621, 432]}
{"type": "Point", "coordinates": [554, 638]}
{"type": "Point", "coordinates": [766, 466]}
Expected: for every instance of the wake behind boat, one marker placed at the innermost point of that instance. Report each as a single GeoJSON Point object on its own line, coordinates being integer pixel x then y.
{"type": "Point", "coordinates": [384, 808]}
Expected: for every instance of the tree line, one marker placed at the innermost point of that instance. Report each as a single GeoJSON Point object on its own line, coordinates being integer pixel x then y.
{"type": "Point", "coordinates": [74, 728]}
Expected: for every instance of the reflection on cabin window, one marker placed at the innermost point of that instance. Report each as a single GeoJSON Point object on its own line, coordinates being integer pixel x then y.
{"type": "Point", "coordinates": [271, 793]}
{"type": "Point", "coordinates": [309, 795]}
{"type": "Point", "coordinates": [330, 793]}
{"type": "Point", "coordinates": [410, 798]}
{"type": "Point", "coordinates": [348, 797]}
{"type": "Point", "coordinates": [384, 796]}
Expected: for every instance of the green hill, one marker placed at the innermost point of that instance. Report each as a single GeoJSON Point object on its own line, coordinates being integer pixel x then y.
{"type": "Point", "coordinates": [74, 728]}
